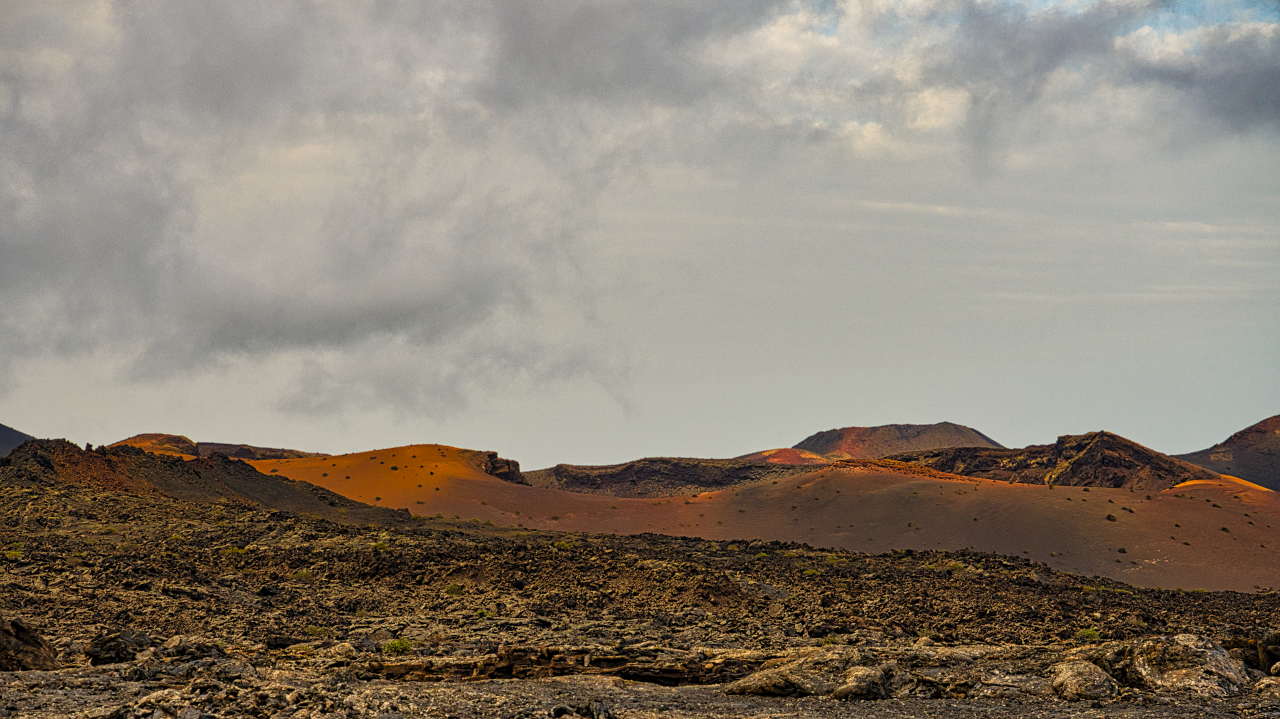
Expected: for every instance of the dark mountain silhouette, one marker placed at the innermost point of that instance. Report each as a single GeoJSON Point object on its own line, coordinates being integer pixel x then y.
{"type": "Point", "coordinates": [219, 478]}
{"type": "Point", "coordinates": [1096, 459]}
{"type": "Point", "coordinates": [882, 441]}
{"type": "Point", "coordinates": [10, 438]}
{"type": "Point", "coordinates": [178, 444]}
{"type": "Point", "coordinates": [1252, 454]}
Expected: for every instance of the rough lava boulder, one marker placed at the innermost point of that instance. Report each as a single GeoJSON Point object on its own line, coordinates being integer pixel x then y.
{"type": "Point", "coordinates": [23, 649]}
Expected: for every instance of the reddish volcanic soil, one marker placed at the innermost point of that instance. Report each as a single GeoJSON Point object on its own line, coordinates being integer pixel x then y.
{"type": "Point", "coordinates": [867, 507]}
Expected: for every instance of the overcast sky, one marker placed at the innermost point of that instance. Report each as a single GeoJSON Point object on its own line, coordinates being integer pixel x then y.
{"type": "Point", "coordinates": [576, 231]}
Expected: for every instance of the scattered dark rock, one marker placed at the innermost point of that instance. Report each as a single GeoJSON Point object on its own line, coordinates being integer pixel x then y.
{"type": "Point", "coordinates": [277, 641]}
{"type": "Point", "coordinates": [499, 622]}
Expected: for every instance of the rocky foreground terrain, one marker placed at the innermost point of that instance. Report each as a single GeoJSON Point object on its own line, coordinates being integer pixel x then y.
{"type": "Point", "coordinates": [119, 605]}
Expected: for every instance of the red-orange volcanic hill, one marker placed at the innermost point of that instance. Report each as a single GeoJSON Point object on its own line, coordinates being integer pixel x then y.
{"type": "Point", "coordinates": [882, 441]}
{"type": "Point", "coordinates": [1211, 535]}
{"type": "Point", "coordinates": [412, 477]}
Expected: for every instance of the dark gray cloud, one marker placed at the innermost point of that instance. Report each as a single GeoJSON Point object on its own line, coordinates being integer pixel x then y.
{"type": "Point", "coordinates": [1003, 55]}
{"type": "Point", "coordinates": [1233, 77]}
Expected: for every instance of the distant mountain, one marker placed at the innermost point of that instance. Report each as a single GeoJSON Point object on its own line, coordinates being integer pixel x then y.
{"type": "Point", "coordinates": [1096, 459]}
{"type": "Point", "coordinates": [1252, 454]}
{"type": "Point", "coordinates": [882, 441]}
{"type": "Point", "coordinates": [10, 438]}
{"type": "Point", "coordinates": [207, 479]}
{"type": "Point", "coordinates": [180, 445]}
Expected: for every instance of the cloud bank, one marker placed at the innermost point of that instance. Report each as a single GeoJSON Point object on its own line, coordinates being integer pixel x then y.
{"type": "Point", "coordinates": [395, 200]}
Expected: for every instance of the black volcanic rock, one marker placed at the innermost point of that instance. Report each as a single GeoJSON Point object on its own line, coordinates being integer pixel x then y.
{"type": "Point", "coordinates": [885, 440]}
{"type": "Point", "coordinates": [1252, 454]}
{"type": "Point", "coordinates": [10, 438]}
{"type": "Point", "coordinates": [116, 646]}
{"type": "Point", "coordinates": [23, 649]}
{"type": "Point", "coordinates": [1096, 459]}
{"type": "Point", "coordinates": [508, 470]}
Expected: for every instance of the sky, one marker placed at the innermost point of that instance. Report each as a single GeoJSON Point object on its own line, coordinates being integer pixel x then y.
{"type": "Point", "coordinates": [586, 232]}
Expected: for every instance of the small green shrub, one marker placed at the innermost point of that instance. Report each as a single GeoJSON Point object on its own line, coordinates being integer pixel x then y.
{"type": "Point", "coordinates": [1088, 635]}
{"type": "Point", "coordinates": [231, 551]}
{"type": "Point", "coordinates": [303, 575]}
{"type": "Point", "coordinates": [397, 647]}
{"type": "Point", "coordinates": [811, 572]}
{"type": "Point", "coordinates": [380, 546]}
{"type": "Point", "coordinates": [453, 590]}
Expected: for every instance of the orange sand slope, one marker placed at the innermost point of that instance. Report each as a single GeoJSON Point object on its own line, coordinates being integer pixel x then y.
{"type": "Point", "coordinates": [400, 477]}
{"type": "Point", "coordinates": [1228, 538]}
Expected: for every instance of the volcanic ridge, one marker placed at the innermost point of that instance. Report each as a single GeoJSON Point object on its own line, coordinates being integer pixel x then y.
{"type": "Point", "coordinates": [1251, 454]}
{"type": "Point", "coordinates": [1096, 459]}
